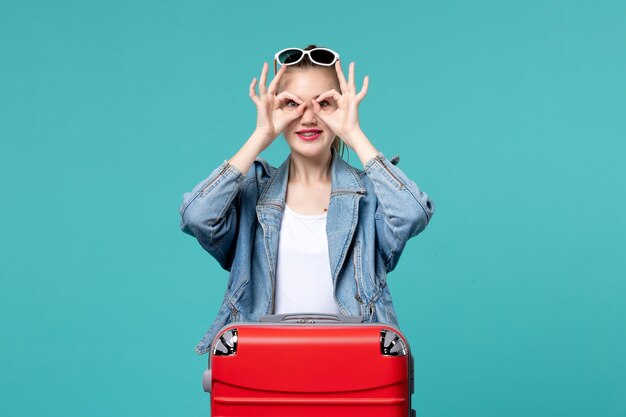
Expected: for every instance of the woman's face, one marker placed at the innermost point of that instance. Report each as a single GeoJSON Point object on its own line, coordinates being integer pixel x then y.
{"type": "Point", "coordinates": [308, 84]}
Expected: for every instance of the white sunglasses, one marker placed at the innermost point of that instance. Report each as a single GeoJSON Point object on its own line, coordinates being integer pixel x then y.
{"type": "Point", "coordinates": [320, 56]}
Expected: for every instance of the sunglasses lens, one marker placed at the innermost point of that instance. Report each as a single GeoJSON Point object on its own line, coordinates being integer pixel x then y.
{"type": "Point", "coordinates": [289, 56]}
{"type": "Point", "coordinates": [322, 57]}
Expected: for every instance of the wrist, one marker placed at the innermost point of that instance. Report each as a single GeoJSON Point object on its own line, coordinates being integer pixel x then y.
{"type": "Point", "coordinates": [354, 134]}
{"type": "Point", "coordinates": [260, 139]}
{"type": "Point", "coordinates": [244, 158]}
{"type": "Point", "coordinates": [359, 142]}
{"type": "Point", "coordinates": [261, 135]}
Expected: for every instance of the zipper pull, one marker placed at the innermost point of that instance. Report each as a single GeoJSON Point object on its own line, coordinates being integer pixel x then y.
{"type": "Point", "coordinates": [371, 308]}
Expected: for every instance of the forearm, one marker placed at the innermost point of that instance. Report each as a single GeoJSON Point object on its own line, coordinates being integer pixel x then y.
{"type": "Point", "coordinates": [361, 145]}
{"type": "Point", "coordinates": [403, 209]}
{"type": "Point", "coordinates": [407, 208]}
{"type": "Point", "coordinates": [366, 153]}
{"type": "Point", "coordinates": [208, 201]}
{"type": "Point", "coordinates": [244, 158]}
{"type": "Point", "coordinates": [210, 213]}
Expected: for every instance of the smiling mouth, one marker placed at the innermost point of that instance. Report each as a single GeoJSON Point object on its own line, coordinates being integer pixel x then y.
{"type": "Point", "coordinates": [309, 134]}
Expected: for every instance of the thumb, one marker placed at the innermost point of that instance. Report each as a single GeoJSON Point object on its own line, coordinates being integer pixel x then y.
{"type": "Point", "coordinates": [299, 110]}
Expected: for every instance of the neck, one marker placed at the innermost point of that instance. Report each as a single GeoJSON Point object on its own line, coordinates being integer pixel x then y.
{"type": "Point", "coordinates": [307, 170]}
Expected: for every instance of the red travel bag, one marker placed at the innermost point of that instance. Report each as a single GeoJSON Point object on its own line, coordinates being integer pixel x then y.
{"type": "Point", "coordinates": [306, 365]}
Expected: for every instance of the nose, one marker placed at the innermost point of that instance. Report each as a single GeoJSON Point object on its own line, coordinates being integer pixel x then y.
{"type": "Point", "coordinates": [308, 116]}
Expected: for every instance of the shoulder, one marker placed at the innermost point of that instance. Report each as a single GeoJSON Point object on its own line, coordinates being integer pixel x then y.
{"type": "Point", "coordinates": [351, 176]}
{"type": "Point", "coordinates": [259, 173]}
{"type": "Point", "coordinates": [360, 174]}
{"type": "Point", "coordinates": [364, 174]}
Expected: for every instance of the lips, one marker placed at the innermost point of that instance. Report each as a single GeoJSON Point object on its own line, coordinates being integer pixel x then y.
{"type": "Point", "coordinates": [309, 134]}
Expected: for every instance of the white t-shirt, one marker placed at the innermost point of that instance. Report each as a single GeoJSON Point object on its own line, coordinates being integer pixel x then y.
{"type": "Point", "coordinates": [303, 280]}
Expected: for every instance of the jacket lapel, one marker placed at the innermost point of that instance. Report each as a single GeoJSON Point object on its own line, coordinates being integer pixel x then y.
{"type": "Point", "coordinates": [343, 212]}
{"type": "Point", "coordinates": [269, 212]}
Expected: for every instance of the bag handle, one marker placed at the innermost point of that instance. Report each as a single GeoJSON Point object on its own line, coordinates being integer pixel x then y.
{"type": "Point", "coordinates": [309, 318]}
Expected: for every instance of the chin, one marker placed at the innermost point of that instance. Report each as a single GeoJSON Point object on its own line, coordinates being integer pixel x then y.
{"type": "Point", "coordinates": [310, 153]}
{"type": "Point", "coordinates": [309, 149]}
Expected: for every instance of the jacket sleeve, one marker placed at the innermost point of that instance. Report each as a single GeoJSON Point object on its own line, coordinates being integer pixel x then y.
{"type": "Point", "coordinates": [402, 211]}
{"type": "Point", "coordinates": [210, 212]}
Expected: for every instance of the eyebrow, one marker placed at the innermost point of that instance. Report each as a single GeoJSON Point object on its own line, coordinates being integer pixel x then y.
{"type": "Point", "coordinates": [301, 97]}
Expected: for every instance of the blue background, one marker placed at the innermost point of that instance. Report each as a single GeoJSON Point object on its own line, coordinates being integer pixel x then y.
{"type": "Point", "coordinates": [511, 115]}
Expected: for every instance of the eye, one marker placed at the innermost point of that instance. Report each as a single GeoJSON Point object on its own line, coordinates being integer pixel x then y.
{"type": "Point", "coordinates": [289, 102]}
{"type": "Point", "coordinates": [324, 103]}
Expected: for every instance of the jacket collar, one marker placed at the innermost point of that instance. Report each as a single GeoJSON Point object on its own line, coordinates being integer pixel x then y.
{"type": "Point", "coordinates": [344, 179]}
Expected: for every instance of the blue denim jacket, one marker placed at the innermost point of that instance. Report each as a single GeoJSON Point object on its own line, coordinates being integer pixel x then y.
{"type": "Point", "coordinates": [371, 215]}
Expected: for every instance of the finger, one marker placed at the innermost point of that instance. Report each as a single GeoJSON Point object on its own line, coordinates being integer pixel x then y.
{"type": "Point", "coordinates": [287, 95]}
{"type": "Point", "coordinates": [317, 109]}
{"type": "Point", "coordinates": [262, 90]}
{"type": "Point", "coordinates": [284, 97]}
{"type": "Point", "coordinates": [330, 93]}
{"type": "Point", "coordinates": [274, 84]}
{"type": "Point", "coordinates": [298, 111]}
{"type": "Point", "coordinates": [252, 92]}
{"type": "Point", "coordinates": [351, 85]}
{"type": "Point", "coordinates": [364, 88]}
{"type": "Point", "coordinates": [343, 85]}
{"type": "Point", "coordinates": [288, 116]}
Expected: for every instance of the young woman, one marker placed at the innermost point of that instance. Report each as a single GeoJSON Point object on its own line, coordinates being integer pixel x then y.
{"type": "Point", "coordinates": [314, 234]}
